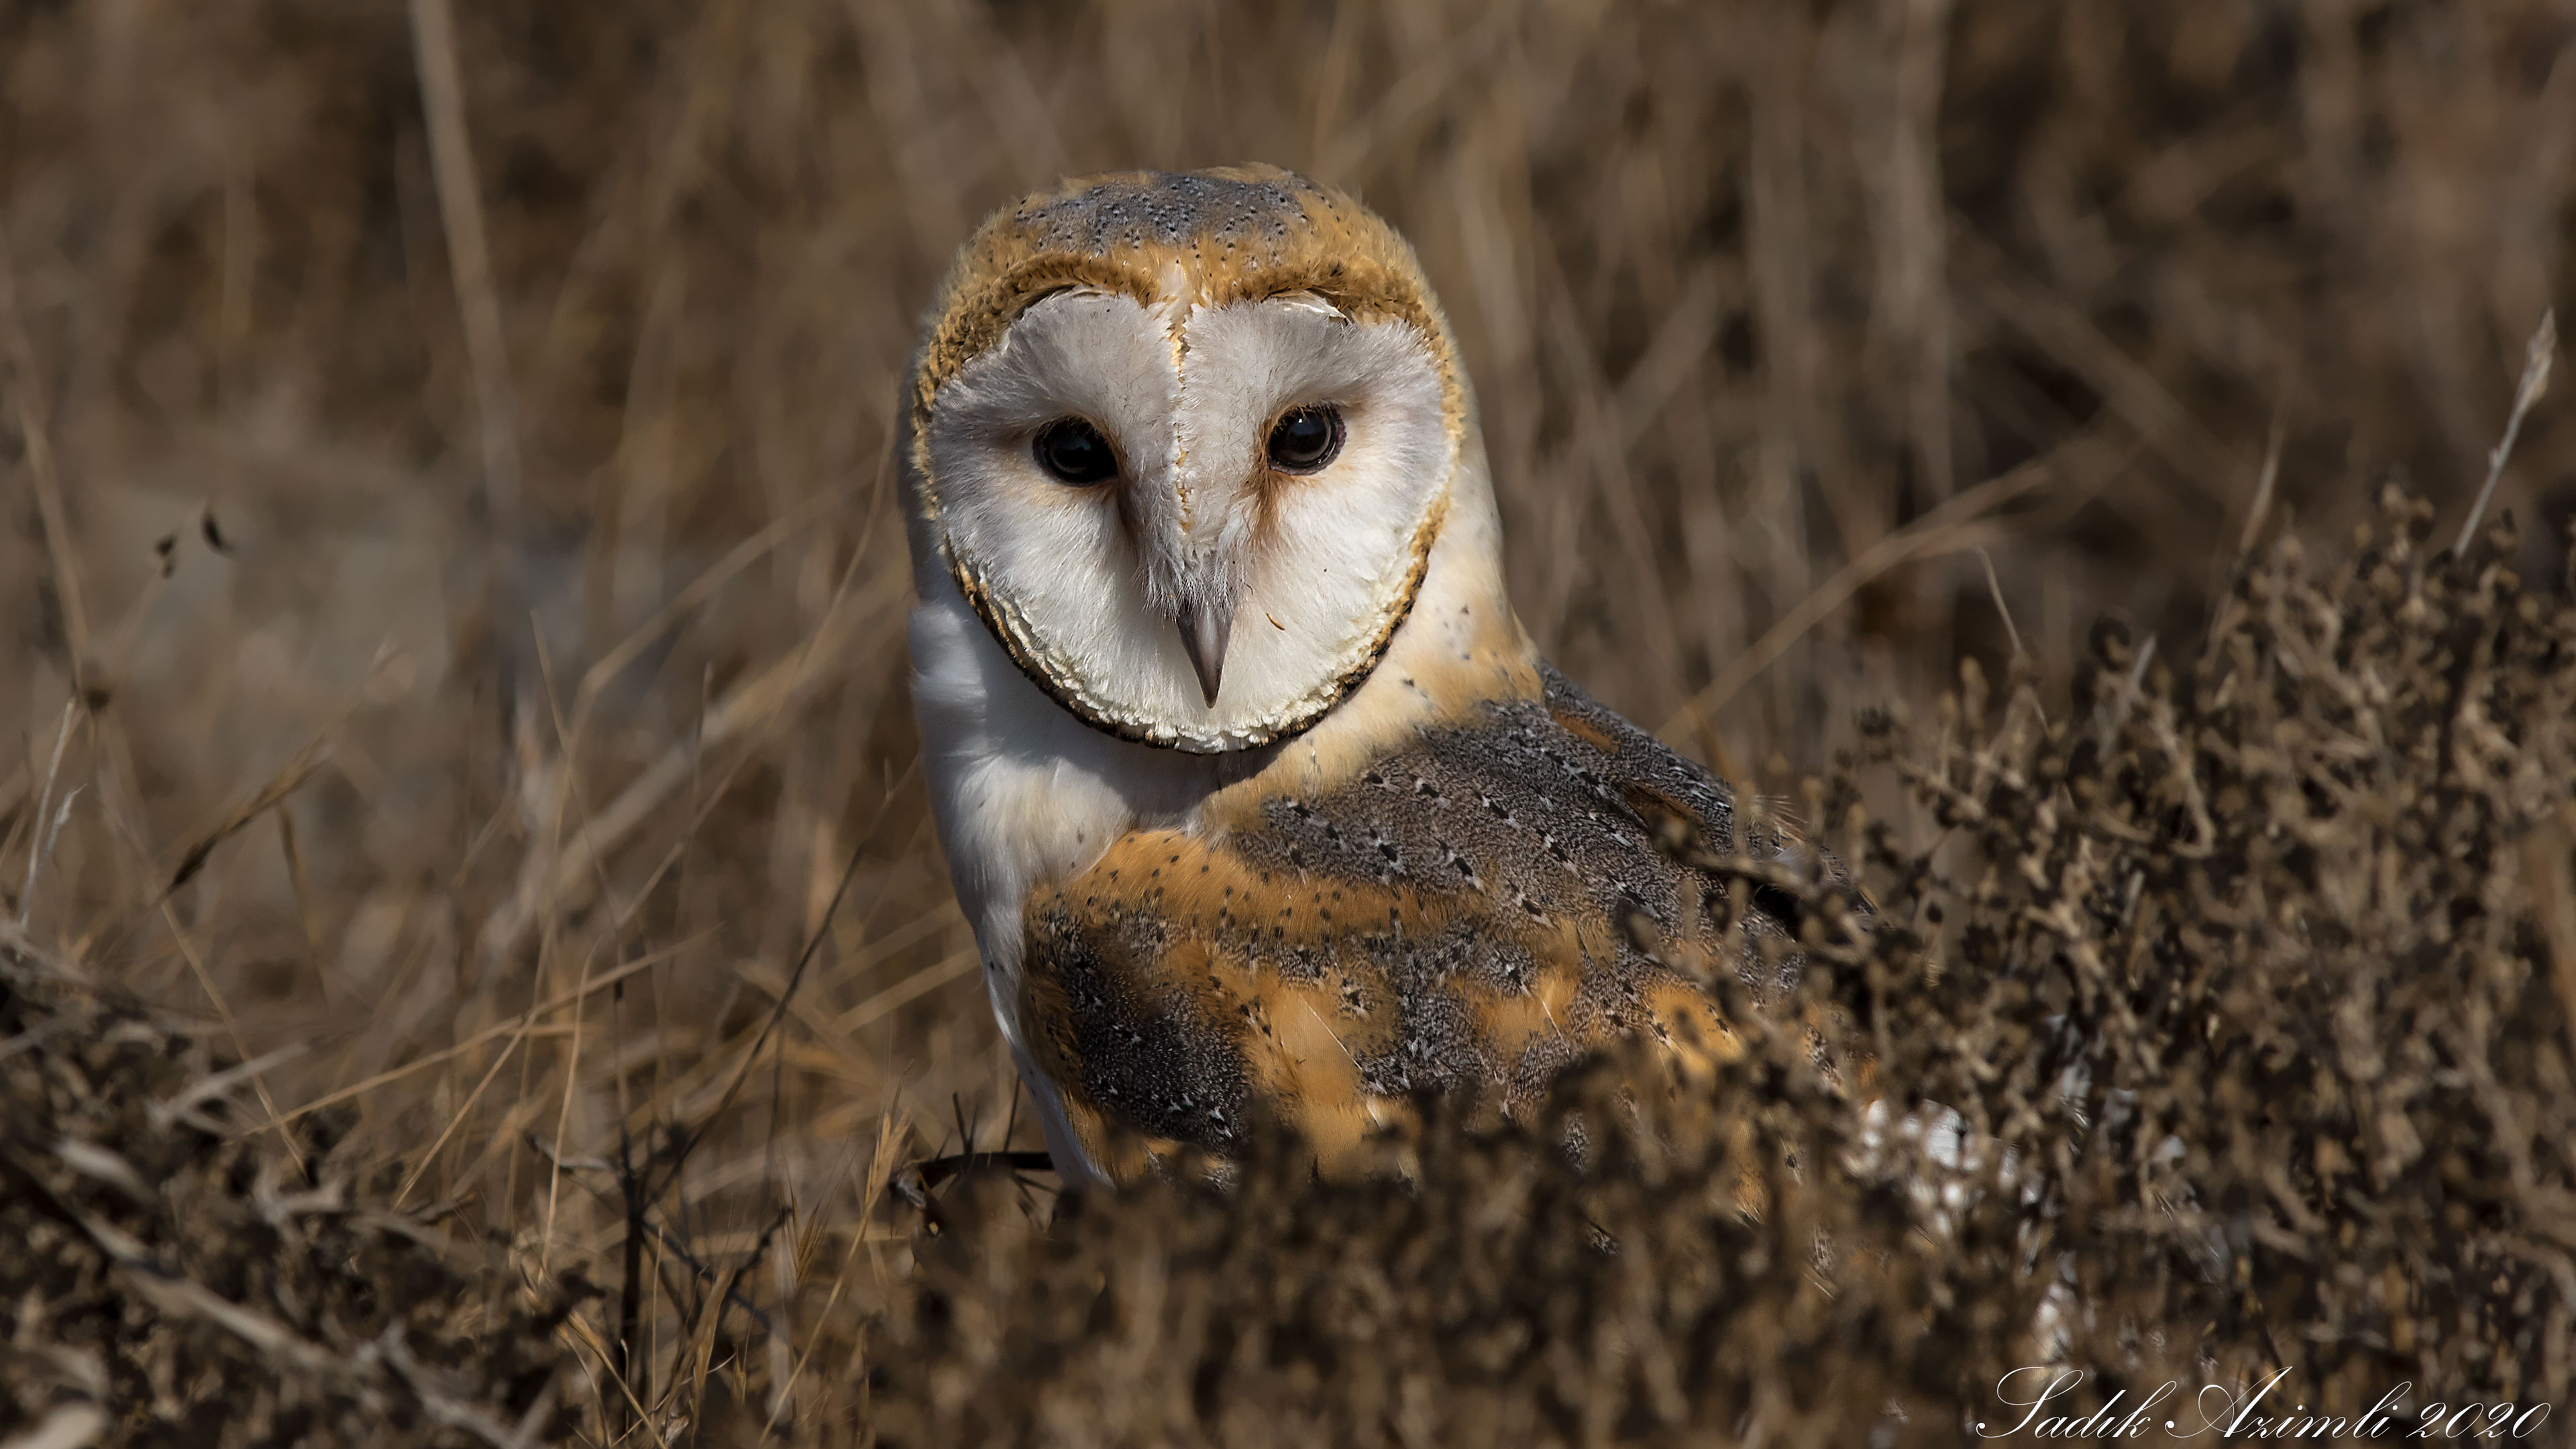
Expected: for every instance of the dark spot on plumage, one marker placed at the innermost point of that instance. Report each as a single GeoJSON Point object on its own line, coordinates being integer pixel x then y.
{"type": "Point", "coordinates": [1781, 906]}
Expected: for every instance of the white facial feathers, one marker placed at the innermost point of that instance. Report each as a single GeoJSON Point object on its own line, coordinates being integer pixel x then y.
{"type": "Point", "coordinates": [1091, 588]}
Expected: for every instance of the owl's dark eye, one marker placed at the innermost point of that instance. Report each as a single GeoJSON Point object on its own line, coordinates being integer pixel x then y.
{"type": "Point", "coordinates": [1306, 439]}
{"type": "Point", "coordinates": [1072, 451]}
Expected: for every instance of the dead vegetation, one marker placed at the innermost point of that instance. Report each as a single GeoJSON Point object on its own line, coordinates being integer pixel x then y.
{"type": "Point", "coordinates": [176, 1280]}
{"type": "Point", "coordinates": [450, 617]}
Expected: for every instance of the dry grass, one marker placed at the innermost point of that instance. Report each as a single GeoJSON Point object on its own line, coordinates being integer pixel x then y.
{"type": "Point", "coordinates": [454, 629]}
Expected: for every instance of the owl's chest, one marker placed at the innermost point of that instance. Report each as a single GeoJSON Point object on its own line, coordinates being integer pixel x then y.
{"type": "Point", "coordinates": [1024, 794]}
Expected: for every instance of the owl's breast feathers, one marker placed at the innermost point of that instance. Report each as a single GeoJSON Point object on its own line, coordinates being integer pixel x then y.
{"type": "Point", "coordinates": [1467, 912]}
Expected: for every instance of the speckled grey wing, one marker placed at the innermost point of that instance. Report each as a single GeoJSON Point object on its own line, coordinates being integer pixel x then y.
{"type": "Point", "coordinates": [1467, 913]}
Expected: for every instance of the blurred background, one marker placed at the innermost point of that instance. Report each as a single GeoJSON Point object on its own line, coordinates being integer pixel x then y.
{"type": "Point", "coordinates": [451, 592]}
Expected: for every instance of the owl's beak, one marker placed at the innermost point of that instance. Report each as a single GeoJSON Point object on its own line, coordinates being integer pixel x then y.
{"type": "Point", "coordinates": [1204, 630]}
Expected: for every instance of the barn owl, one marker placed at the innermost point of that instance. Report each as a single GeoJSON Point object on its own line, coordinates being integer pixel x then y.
{"type": "Point", "coordinates": [1258, 797]}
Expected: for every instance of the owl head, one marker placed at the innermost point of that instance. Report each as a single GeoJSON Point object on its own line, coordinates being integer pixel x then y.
{"type": "Point", "coordinates": [1185, 443]}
